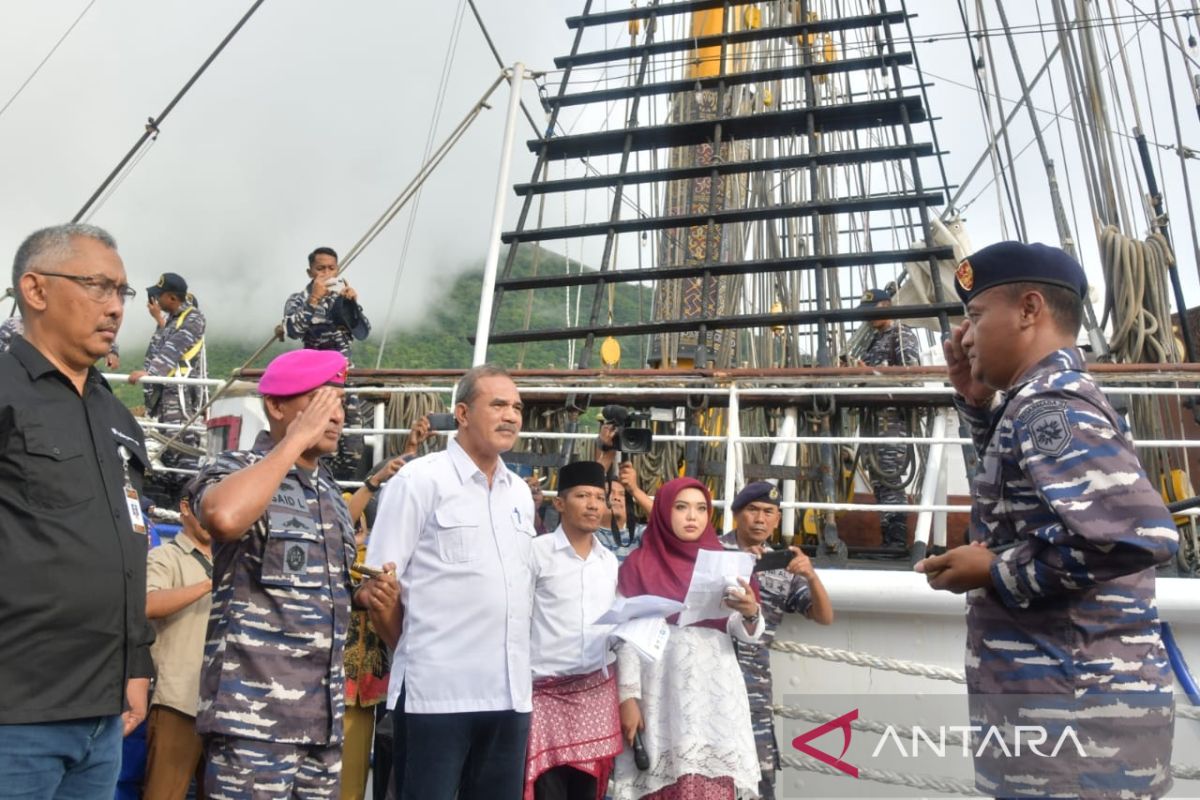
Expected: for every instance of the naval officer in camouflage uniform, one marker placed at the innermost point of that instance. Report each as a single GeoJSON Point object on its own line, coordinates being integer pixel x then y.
{"type": "Point", "coordinates": [331, 320]}
{"type": "Point", "coordinates": [272, 685]}
{"type": "Point", "coordinates": [176, 350]}
{"type": "Point", "coordinates": [892, 344]}
{"type": "Point", "coordinates": [1066, 531]}
{"type": "Point", "coordinates": [795, 590]}
{"type": "Point", "coordinates": [10, 329]}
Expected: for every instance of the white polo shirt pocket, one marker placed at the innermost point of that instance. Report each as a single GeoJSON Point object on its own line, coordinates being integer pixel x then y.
{"type": "Point", "coordinates": [457, 536]}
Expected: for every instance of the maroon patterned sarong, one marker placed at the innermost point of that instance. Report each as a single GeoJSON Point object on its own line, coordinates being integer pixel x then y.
{"type": "Point", "coordinates": [575, 723]}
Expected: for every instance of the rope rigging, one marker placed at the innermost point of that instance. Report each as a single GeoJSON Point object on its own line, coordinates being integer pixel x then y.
{"type": "Point", "coordinates": [155, 123]}
{"type": "Point", "coordinates": [42, 63]}
{"type": "Point", "coordinates": [439, 104]}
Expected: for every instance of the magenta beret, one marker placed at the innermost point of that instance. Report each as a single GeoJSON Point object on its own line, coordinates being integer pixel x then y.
{"type": "Point", "coordinates": [300, 371]}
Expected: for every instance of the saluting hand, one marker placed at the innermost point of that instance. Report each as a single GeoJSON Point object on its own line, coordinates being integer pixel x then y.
{"type": "Point", "coordinates": [958, 369]}
{"type": "Point", "coordinates": [310, 425]}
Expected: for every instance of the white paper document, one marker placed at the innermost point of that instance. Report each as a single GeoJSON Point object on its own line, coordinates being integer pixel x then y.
{"type": "Point", "coordinates": [647, 635]}
{"type": "Point", "coordinates": [716, 570]}
{"type": "Point", "coordinates": [643, 605]}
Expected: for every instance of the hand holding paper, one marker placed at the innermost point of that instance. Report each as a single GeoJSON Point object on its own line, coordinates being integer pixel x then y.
{"type": "Point", "coordinates": [715, 571]}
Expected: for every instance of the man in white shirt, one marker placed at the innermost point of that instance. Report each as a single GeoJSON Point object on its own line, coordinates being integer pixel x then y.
{"type": "Point", "coordinates": [459, 527]}
{"type": "Point", "coordinates": [576, 729]}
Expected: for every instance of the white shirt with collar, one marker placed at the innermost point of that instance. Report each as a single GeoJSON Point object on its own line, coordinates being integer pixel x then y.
{"type": "Point", "coordinates": [570, 593]}
{"type": "Point", "coordinates": [463, 558]}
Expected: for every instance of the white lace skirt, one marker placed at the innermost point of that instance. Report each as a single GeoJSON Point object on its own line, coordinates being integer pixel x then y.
{"type": "Point", "coordinates": [697, 716]}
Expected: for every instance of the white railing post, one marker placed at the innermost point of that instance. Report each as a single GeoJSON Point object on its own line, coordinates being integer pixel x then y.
{"type": "Point", "coordinates": [939, 520]}
{"type": "Point", "coordinates": [484, 323]}
{"type": "Point", "coordinates": [785, 455]}
{"type": "Point", "coordinates": [378, 441]}
{"type": "Point", "coordinates": [933, 469]}
{"type": "Point", "coordinates": [733, 430]}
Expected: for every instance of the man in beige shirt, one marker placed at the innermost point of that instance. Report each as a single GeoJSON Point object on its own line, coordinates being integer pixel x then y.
{"type": "Point", "coordinates": [178, 601]}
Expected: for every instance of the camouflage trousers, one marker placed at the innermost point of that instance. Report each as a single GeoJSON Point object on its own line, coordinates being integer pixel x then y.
{"type": "Point", "coordinates": [248, 769]}
{"type": "Point", "coordinates": [172, 410]}
{"type": "Point", "coordinates": [347, 463]}
{"type": "Point", "coordinates": [763, 720]}
{"type": "Point", "coordinates": [890, 460]}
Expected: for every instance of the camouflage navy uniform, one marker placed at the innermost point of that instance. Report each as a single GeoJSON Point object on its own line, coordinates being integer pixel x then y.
{"type": "Point", "coordinates": [176, 351]}
{"type": "Point", "coordinates": [1069, 622]}
{"type": "Point", "coordinates": [272, 693]}
{"type": "Point", "coordinates": [782, 592]}
{"type": "Point", "coordinates": [317, 328]}
{"type": "Point", "coordinates": [13, 326]}
{"type": "Point", "coordinates": [894, 346]}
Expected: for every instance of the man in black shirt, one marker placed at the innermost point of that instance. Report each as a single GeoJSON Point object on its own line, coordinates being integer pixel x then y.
{"type": "Point", "coordinates": [74, 641]}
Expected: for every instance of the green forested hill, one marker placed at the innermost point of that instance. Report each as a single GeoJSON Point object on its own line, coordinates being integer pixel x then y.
{"type": "Point", "coordinates": [441, 341]}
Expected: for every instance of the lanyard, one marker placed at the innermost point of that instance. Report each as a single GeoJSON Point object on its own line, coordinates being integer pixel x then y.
{"type": "Point", "coordinates": [132, 504]}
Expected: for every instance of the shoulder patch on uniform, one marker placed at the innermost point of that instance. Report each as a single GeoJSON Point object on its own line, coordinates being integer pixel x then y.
{"type": "Point", "coordinates": [1049, 430]}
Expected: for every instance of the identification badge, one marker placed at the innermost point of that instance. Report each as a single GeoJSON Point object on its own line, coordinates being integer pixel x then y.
{"type": "Point", "coordinates": [135, 510]}
{"type": "Point", "coordinates": [136, 523]}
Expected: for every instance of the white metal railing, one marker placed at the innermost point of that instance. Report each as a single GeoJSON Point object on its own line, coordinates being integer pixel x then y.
{"type": "Point", "coordinates": [120, 377]}
{"type": "Point", "coordinates": [931, 506]}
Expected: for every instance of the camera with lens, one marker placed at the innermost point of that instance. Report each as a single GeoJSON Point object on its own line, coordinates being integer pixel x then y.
{"type": "Point", "coordinates": [628, 439]}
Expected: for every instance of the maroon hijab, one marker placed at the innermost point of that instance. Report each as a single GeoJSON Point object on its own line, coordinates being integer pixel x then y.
{"type": "Point", "coordinates": [663, 563]}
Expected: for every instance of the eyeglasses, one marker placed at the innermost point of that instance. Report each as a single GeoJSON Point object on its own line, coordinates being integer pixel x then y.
{"type": "Point", "coordinates": [98, 287]}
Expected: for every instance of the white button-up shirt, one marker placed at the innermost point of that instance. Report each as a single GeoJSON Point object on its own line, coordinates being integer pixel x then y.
{"type": "Point", "coordinates": [570, 593]}
{"type": "Point", "coordinates": [462, 555]}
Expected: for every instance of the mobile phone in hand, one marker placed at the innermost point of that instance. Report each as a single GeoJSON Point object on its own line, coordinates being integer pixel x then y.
{"type": "Point", "coordinates": [774, 559]}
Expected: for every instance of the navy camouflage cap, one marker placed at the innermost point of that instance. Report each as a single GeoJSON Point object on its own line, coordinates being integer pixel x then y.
{"type": "Point", "coordinates": [756, 492]}
{"type": "Point", "coordinates": [170, 282]}
{"type": "Point", "coordinates": [1017, 262]}
{"type": "Point", "coordinates": [873, 297]}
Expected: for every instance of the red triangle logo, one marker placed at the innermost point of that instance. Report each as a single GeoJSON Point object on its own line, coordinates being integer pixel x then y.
{"type": "Point", "coordinates": [843, 723]}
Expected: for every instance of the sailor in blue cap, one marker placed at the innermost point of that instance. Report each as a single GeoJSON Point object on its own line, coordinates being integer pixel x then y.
{"type": "Point", "coordinates": [795, 589]}
{"type": "Point", "coordinates": [1066, 532]}
{"type": "Point", "coordinates": [176, 350]}
{"type": "Point", "coordinates": [892, 344]}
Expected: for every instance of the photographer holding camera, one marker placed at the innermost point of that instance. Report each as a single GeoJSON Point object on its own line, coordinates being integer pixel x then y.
{"type": "Point", "coordinates": [621, 532]}
{"type": "Point", "coordinates": [327, 316]}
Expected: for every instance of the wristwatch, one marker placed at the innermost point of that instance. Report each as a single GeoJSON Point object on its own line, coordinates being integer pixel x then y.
{"type": "Point", "coordinates": [371, 487]}
{"type": "Point", "coordinates": [751, 620]}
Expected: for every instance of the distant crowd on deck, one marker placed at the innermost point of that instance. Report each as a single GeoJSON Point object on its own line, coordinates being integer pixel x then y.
{"type": "Point", "coordinates": [445, 631]}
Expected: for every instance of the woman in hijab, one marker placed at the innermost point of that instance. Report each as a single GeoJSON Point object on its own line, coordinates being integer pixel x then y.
{"type": "Point", "coordinates": [690, 706]}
